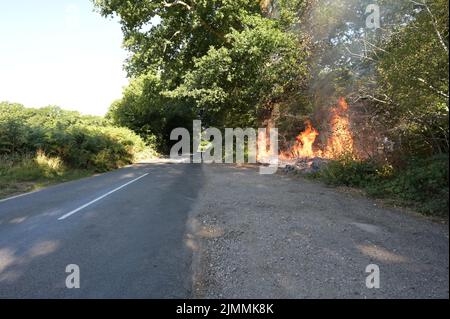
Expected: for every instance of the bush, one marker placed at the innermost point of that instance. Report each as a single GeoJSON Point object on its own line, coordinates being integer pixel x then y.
{"type": "Point", "coordinates": [30, 167]}
{"type": "Point", "coordinates": [349, 172]}
{"type": "Point", "coordinates": [422, 183]}
{"type": "Point", "coordinates": [84, 142]}
{"type": "Point", "coordinates": [27, 172]}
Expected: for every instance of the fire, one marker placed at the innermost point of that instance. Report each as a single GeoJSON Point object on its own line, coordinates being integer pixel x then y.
{"type": "Point", "coordinates": [304, 143]}
{"type": "Point", "coordinates": [339, 142]}
{"type": "Point", "coordinates": [262, 154]}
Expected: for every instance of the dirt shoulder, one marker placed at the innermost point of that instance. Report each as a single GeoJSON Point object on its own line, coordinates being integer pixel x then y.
{"type": "Point", "coordinates": [272, 236]}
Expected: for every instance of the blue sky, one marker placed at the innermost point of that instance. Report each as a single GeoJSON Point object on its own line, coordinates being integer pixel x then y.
{"type": "Point", "coordinates": [58, 52]}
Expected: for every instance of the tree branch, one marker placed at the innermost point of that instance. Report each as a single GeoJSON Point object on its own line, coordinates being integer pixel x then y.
{"type": "Point", "coordinates": [441, 93]}
{"type": "Point", "coordinates": [191, 8]}
{"type": "Point", "coordinates": [434, 22]}
{"type": "Point", "coordinates": [176, 2]}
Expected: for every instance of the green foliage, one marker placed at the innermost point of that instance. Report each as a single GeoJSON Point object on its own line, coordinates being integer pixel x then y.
{"type": "Point", "coordinates": [145, 110]}
{"type": "Point", "coordinates": [396, 75]}
{"type": "Point", "coordinates": [413, 72]}
{"type": "Point", "coordinates": [84, 142]}
{"type": "Point", "coordinates": [226, 62]}
{"type": "Point", "coordinates": [243, 63]}
{"type": "Point", "coordinates": [423, 183]}
{"type": "Point", "coordinates": [349, 172]}
{"type": "Point", "coordinates": [397, 78]}
{"type": "Point", "coordinates": [234, 86]}
{"type": "Point", "coordinates": [187, 30]}
{"type": "Point", "coordinates": [30, 167]}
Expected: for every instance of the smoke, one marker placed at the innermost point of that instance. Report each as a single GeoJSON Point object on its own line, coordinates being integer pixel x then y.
{"type": "Point", "coordinates": [345, 36]}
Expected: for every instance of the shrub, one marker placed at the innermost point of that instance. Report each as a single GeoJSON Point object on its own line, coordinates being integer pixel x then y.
{"type": "Point", "coordinates": [30, 167]}
{"type": "Point", "coordinates": [422, 183]}
{"type": "Point", "coordinates": [349, 172]}
{"type": "Point", "coordinates": [85, 142]}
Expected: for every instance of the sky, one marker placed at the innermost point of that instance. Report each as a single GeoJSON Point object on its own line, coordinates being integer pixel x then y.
{"type": "Point", "coordinates": [60, 52]}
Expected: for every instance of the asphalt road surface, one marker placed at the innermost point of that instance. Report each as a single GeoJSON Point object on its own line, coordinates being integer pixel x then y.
{"type": "Point", "coordinates": [165, 230]}
{"type": "Point", "coordinates": [128, 244]}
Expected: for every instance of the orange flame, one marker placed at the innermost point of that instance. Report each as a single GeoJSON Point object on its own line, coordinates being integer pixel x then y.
{"type": "Point", "coordinates": [304, 143]}
{"type": "Point", "coordinates": [262, 154]}
{"type": "Point", "coordinates": [338, 143]}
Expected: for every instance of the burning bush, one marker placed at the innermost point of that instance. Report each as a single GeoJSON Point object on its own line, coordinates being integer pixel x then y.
{"type": "Point", "coordinates": [339, 138]}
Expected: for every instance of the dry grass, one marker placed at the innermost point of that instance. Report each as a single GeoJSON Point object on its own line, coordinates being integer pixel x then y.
{"type": "Point", "coordinates": [24, 173]}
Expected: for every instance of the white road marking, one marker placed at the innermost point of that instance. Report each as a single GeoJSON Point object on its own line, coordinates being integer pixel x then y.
{"type": "Point", "coordinates": [17, 196]}
{"type": "Point", "coordinates": [38, 190]}
{"type": "Point", "coordinates": [99, 198]}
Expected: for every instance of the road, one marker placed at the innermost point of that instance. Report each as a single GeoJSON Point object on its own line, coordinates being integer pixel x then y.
{"type": "Point", "coordinates": [163, 230]}
{"type": "Point", "coordinates": [127, 245]}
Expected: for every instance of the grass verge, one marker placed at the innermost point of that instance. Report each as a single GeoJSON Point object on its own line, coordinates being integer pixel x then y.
{"type": "Point", "coordinates": [25, 173]}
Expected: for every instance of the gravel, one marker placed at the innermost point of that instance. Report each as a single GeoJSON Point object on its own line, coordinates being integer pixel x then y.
{"type": "Point", "coordinates": [274, 236]}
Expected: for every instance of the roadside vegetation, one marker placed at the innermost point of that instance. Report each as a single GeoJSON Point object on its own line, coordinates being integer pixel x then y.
{"type": "Point", "coordinates": [422, 184]}
{"type": "Point", "coordinates": [404, 85]}
{"type": "Point", "coordinates": [246, 63]}
{"type": "Point", "coordinates": [42, 146]}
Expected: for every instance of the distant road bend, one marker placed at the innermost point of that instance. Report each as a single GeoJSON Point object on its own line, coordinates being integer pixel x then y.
{"type": "Point", "coordinates": [162, 230]}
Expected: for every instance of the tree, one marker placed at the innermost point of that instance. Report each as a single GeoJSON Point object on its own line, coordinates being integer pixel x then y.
{"type": "Point", "coordinates": [144, 109]}
{"type": "Point", "coordinates": [413, 72]}
{"type": "Point", "coordinates": [395, 77]}
{"type": "Point", "coordinates": [226, 62]}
